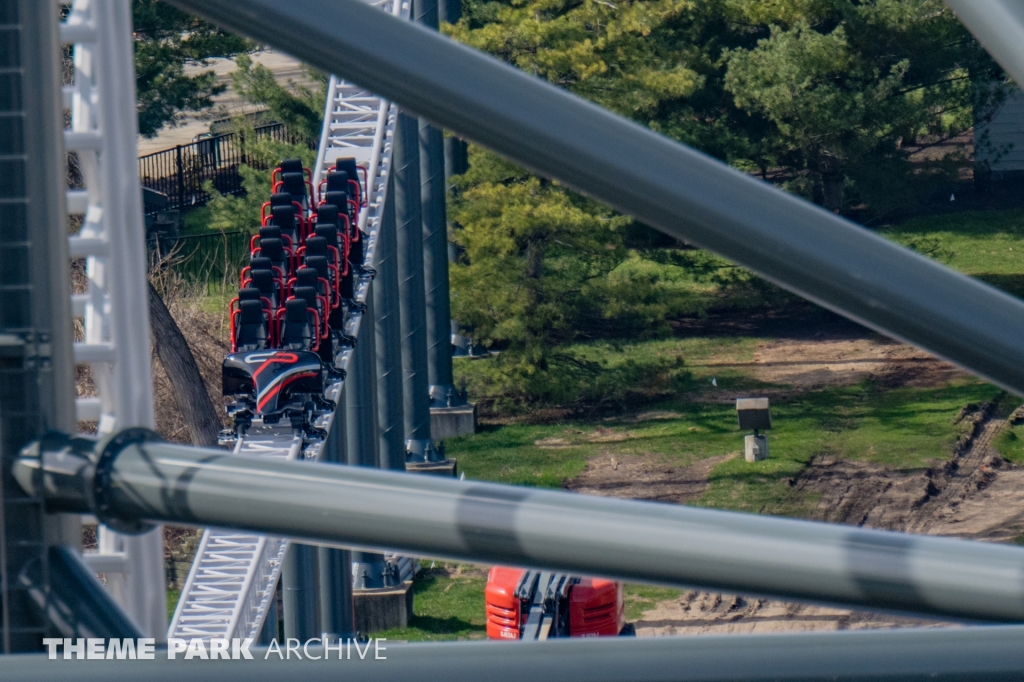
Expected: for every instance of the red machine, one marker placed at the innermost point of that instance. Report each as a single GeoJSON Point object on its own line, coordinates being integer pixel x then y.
{"type": "Point", "coordinates": [541, 605]}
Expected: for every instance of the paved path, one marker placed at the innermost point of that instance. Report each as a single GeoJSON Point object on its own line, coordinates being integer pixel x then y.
{"type": "Point", "coordinates": [226, 104]}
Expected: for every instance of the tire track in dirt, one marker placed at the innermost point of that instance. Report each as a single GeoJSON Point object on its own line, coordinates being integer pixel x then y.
{"type": "Point", "coordinates": [943, 500]}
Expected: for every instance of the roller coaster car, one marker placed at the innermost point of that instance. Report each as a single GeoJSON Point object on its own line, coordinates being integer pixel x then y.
{"type": "Point", "coordinates": [274, 383]}
{"type": "Point", "coordinates": [533, 605]}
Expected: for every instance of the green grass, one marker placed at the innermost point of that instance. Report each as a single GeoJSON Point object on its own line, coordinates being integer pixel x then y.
{"type": "Point", "coordinates": [902, 428]}
{"type": "Point", "coordinates": [447, 604]}
{"type": "Point", "coordinates": [988, 245]}
{"type": "Point", "coordinates": [640, 598]}
{"type": "Point", "coordinates": [172, 601]}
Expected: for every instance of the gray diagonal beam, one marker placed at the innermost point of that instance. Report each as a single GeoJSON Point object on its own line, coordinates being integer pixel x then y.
{"type": "Point", "coordinates": [136, 478]}
{"type": "Point", "coordinates": [999, 26]}
{"type": "Point", "coordinates": [665, 184]}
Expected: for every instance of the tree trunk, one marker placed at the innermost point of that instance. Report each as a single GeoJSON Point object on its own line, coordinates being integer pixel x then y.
{"type": "Point", "coordinates": [183, 373]}
{"type": "Point", "coordinates": [832, 179]}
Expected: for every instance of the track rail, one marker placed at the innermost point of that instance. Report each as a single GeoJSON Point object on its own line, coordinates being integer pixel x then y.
{"type": "Point", "coordinates": [233, 580]}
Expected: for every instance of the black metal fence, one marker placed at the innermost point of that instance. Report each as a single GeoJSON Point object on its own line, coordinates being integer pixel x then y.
{"type": "Point", "coordinates": [180, 172]}
{"type": "Point", "coordinates": [209, 259]}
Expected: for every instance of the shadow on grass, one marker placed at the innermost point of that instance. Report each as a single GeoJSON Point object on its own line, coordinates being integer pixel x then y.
{"type": "Point", "coordinates": [444, 626]}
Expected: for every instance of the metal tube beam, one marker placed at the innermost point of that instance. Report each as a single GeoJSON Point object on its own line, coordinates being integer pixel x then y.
{"type": "Point", "coordinates": [391, 446]}
{"type": "Point", "coordinates": [408, 215]}
{"type": "Point", "coordinates": [660, 182]}
{"type": "Point", "coordinates": [299, 592]}
{"type": "Point", "coordinates": [999, 26]}
{"type": "Point", "coordinates": [433, 516]}
{"type": "Point", "coordinates": [433, 196]}
{"type": "Point", "coordinates": [972, 654]}
{"type": "Point", "coordinates": [334, 566]}
{"type": "Point", "coordinates": [361, 430]}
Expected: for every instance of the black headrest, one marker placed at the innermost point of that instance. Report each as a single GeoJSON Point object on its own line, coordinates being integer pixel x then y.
{"type": "Point", "coordinates": [307, 294]}
{"type": "Point", "coordinates": [349, 166]}
{"type": "Point", "coordinates": [337, 197]}
{"type": "Point", "coordinates": [291, 166]}
{"type": "Point", "coordinates": [272, 249]}
{"type": "Point", "coordinates": [283, 216]}
{"type": "Point", "coordinates": [329, 233]}
{"type": "Point", "coordinates": [294, 183]}
{"type": "Point", "coordinates": [337, 181]}
{"type": "Point", "coordinates": [318, 263]}
{"type": "Point", "coordinates": [263, 280]}
{"type": "Point", "coordinates": [328, 214]}
{"type": "Point", "coordinates": [295, 310]}
{"type": "Point", "coordinates": [252, 312]}
{"type": "Point", "coordinates": [281, 199]}
{"type": "Point", "coordinates": [316, 246]}
{"type": "Point", "coordinates": [270, 232]}
{"type": "Point", "coordinates": [306, 277]}
{"type": "Point", "coordinates": [260, 263]}
{"type": "Point", "coordinates": [248, 294]}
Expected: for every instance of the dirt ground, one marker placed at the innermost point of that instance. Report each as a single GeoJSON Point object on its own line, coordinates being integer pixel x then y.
{"type": "Point", "coordinates": [976, 494]}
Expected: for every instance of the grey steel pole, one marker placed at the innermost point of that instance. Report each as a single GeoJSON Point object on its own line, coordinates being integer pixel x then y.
{"type": "Point", "coordinates": [409, 242]}
{"type": "Point", "coordinates": [660, 182]}
{"type": "Point", "coordinates": [334, 566]}
{"type": "Point", "coordinates": [433, 196]}
{"type": "Point", "coordinates": [391, 448]}
{"type": "Point", "coordinates": [36, 364]}
{"type": "Point", "coordinates": [435, 516]}
{"type": "Point", "coordinates": [910, 655]}
{"type": "Point", "coordinates": [999, 26]}
{"type": "Point", "coordinates": [369, 568]}
{"type": "Point", "coordinates": [299, 592]}
{"type": "Point", "coordinates": [456, 161]}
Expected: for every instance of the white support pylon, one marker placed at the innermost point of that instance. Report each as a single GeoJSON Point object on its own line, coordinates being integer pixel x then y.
{"type": "Point", "coordinates": [116, 306]}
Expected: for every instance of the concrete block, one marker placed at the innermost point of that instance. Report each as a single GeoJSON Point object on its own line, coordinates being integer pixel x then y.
{"type": "Point", "coordinates": [447, 468]}
{"type": "Point", "coordinates": [383, 609]}
{"type": "Point", "coordinates": [755, 448]}
{"type": "Point", "coordinates": [448, 422]}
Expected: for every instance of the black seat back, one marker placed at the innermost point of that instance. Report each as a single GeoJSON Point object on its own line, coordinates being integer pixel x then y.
{"type": "Point", "coordinates": [329, 233]}
{"type": "Point", "coordinates": [337, 181]}
{"type": "Point", "coordinates": [263, 280]}
{"type": "Point", "coordinates": [308, 294]}
{"type": "Point", "coordinates": [260, 263]}
{"type": "Point", "coordinates": [340, 199]}
{"type": "Point", "coordinates": [251, 328]}
{"type": "Point", "coordinates": [274, 250]}
{"type": "Point", "coordinates": [317, 246]}
{"type": "Point", "coordinates": [283, 218]}
{"type": "Point", "coordinates": [249, 294]}
{"type": "Point", "coordinates": [291, 166]}
{"type": "Point", "coordinates": [294, 184]}
{"type": "Point", "coordinates": [281, 199]}
{"type": "Point", "coordinates": [319, 264]}
{"type": "Point", "coordinates": [270, 232]}
{"type": "Point", "coordinates": [296, 332]}
{"type": "Point", "coordinates": [307, 277]}
{"type": "Point", "coordinates": [348, 165]}
{"type": "Point", "coordinates": [327, 214]}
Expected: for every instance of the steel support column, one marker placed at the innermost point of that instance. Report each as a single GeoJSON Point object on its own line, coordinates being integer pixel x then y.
{"type": "Point", "coordinates": [369, 568]}
{"type": "Point", "coordinates": [334, 566]}
{"type": "Point", "coordinates": [412, 308]}
{"type": "Point", "coordinates": [299, 592]}
{"type": "Point", "coordinates": [391, 449]}
{"type": "Point", "coordinates": [433, 196]}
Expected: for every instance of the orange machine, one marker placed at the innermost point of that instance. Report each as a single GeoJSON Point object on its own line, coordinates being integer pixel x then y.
{"type": "Point", "coordinates": [524, 604]}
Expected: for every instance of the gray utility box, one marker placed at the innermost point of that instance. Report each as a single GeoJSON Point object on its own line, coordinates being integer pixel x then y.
{"type": "Point", "coordinates": [755, 414]}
